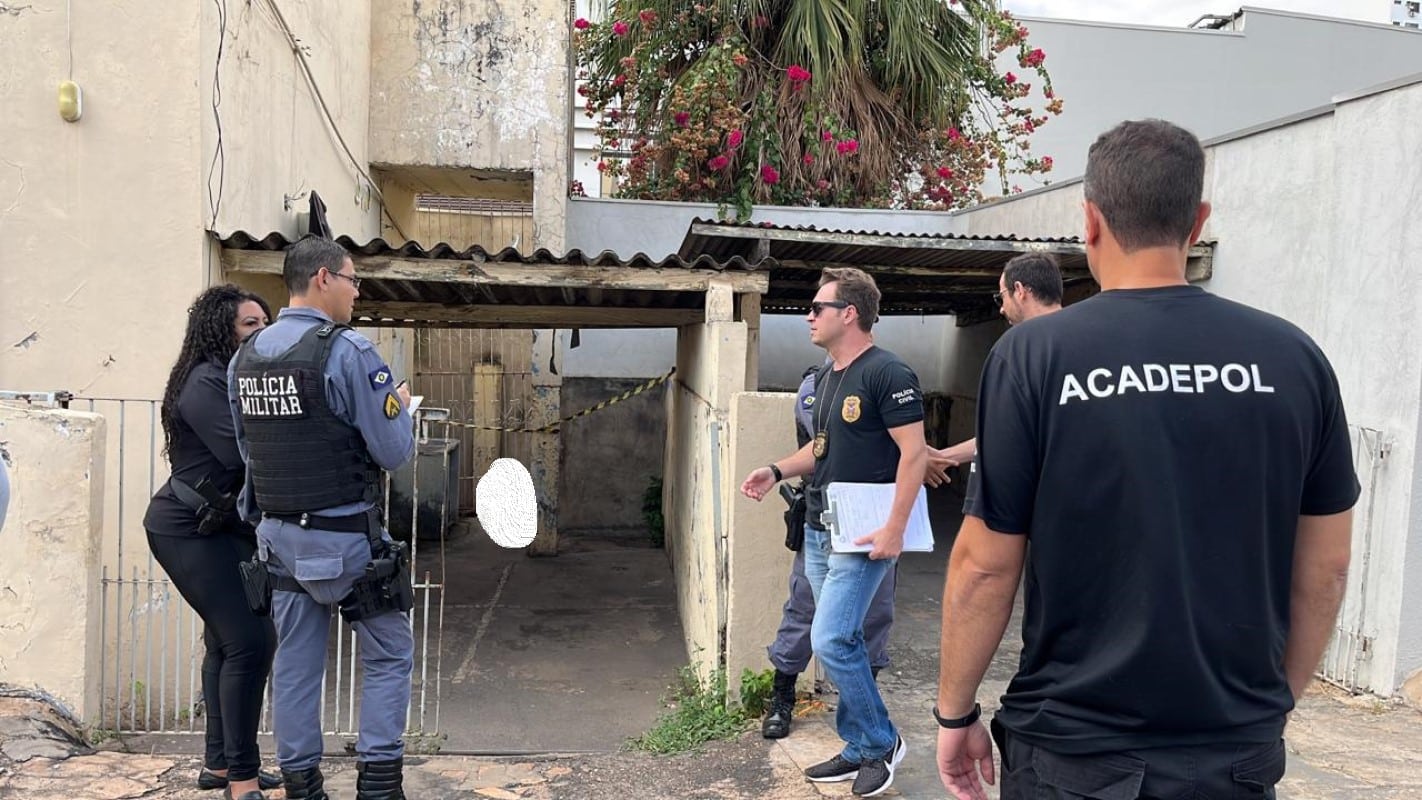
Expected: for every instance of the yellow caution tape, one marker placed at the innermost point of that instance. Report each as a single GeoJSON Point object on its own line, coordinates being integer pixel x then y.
{"type": "Point", "coordinates": [553, 428]}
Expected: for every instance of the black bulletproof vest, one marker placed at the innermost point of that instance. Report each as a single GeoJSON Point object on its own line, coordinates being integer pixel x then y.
{"type": "Point", "coordinates": [301, 456]}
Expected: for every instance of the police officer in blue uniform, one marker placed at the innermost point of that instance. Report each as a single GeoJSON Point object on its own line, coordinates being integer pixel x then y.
{"type": "Point", "coordinates": [318, 417]}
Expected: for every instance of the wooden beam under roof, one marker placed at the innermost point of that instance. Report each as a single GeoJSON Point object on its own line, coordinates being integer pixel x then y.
{"type": "Point", "coordinates": [393, 314]}
{"type": "Point", "coordinates": [436, 270]}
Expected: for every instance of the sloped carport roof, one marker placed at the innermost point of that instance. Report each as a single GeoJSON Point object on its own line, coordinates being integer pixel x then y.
{"type": "Point", "coordinates": [917, 273]}
{"type": "Point", "coordinates": [412, 285]}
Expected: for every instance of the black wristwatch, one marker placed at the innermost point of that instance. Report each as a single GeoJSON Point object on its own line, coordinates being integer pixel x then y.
{"type": "Point", "coordinates": [960, 722]}
{"type": "Point", "coordinates": [774, 470]}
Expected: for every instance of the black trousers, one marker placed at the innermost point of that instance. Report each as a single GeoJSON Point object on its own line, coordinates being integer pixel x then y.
{"type": "Point", "coordinates": [239, 644]}
{"type": "Point", "coordinates": [1199, 772]}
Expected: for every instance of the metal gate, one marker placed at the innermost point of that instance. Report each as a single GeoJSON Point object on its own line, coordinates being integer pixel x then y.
{"type": "Point", "coordinates": [1351, 649]}
{"type": "Point", "coordinates": [485, 379]}
{"type": "Point", "coordinates": [152, 650]}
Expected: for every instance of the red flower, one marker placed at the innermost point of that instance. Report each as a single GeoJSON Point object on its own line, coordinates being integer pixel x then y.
{"type": "Point", "coordinates": [809, 158]}
{"type": "Point", "coordinates": [581, 24]}
{"type": "Point", "coordinates": [822, 184]}
{"type": "Point", "coordinates": [648, 16]}
{"type": "Point", "coordinates": [583, 89]}
{"type": "Point", "coordinates": [1048, 93]}
{"type": "Point", "coordinates": [1034, 58]}
{"type": "Point", "coordinates": [619, 80]}
{"type": "Point", "coordinates": [954, 135]}
{"type": "Point", "coordinates": [827, 137]}
{"type": "Point", "coordinates": [719, 163]}
{"type": "Point", "coordinates": [945, 173]}
{"type": "Point", "coordinates": [1010, 78]}
{"type": "Point", "coordinates": [1046, 163]}
{"type": "Point", "coordinates": [602, 166]}
{"type": "Point", "coordinates": [740, 59]}
{"type": "Point", "coordinates": [847, 147]}
{"type": "Point", "coordinates": [681, 118]}
{"type": "Point", "coordinates": [797, 74]}
{"type": "Point", "coordinates": [769, 174]}
{"type": "Point", "coordinates": [734, 140]}
{"type": "Point", "coordinates": [619, 28]}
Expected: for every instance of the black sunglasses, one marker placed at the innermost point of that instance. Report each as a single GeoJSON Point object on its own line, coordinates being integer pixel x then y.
{"type": "Point", "coordinates": [997, 298]}
{"type": "Point", "coordinates": [818, 306]}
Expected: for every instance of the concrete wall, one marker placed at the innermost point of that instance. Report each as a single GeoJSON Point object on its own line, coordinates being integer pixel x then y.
{"type": "Point", "coordinates": [698, 483]}
{"type": "Point", "coordinates": [1213, 82]}
{"type": "Point", "coordinates": [459, 83]}
{"type": "Point", "coordinates": [50, 575]}
{"type": "Point", "coordinates": [1312, 222]}
{"type": "Point", "coordinates": [609, 456]}
{"type": "Point", "coordinates": [277, 146]}
{"type": "Point", "coordinates": [761, 432]}
{"type": "Point", "coordinates": [101, 219]}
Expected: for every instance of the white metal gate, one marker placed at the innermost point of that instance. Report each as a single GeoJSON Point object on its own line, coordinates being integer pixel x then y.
{"type": "Point", "coordinates": [1351, 648]}
{"type": "Point", "coordinates": [152, 649]}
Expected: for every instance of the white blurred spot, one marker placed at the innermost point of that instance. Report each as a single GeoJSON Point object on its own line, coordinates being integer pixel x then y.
{"type": "Point", "coordinates": [506, 504]}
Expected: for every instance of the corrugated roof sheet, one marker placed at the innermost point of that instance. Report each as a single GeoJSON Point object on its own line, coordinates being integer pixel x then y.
{"type": "Point", "coordinates": [918, 273]}
{"type": "Point", "coordinates": [241, 240]}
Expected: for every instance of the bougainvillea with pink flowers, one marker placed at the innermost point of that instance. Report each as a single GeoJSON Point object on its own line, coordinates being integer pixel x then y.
{"type": "Point", "coordinates": [850, 103]}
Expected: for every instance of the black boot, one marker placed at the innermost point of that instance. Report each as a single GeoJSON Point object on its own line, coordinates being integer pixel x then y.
{"type": "Point", "coordinates": [306, 784]}
{"type": "Point", "coordinates": [380, 780]}
{"type": "Point", "coordinates": [875, 672]}
{"type": "Point", "coordinates": [782, 707]}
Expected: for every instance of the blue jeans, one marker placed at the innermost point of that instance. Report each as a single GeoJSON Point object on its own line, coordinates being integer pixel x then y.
{"type": "Point", "coordinates": [844, 584]}
{"type": "Point", "coordinates": [790, 652]}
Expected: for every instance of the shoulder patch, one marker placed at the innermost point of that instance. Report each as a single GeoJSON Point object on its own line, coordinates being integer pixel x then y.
{"type": "Point", "coordinates": [379, 379]}
{"type": "Point", "coordinates": [392, 406]}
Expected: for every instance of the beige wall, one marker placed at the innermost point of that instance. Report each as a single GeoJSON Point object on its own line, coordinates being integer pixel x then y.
{"type": "Point", "coordinates": [459, 83]}
{"type": "Point", "coordinates": [710, 370]}
{"type": "Point", "coordinates": [50, 575]}
{"type": "Point", "coordinates": [761, 432]}
{"type": "Point", "coordinates": [277, 146]}
{"type": "Point", "coordinates": [101, 219]}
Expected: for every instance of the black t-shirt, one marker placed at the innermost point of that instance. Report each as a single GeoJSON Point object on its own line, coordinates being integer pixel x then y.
{"type": "Point", "coordinates": [855, 408]}
{"type": "Point", "coordinates": [206, 447]}
{"type": "Point", "coordinates": [1157, 446]}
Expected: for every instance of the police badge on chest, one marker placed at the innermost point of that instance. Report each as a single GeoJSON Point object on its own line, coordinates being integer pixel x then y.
{"type": "Point", "coordinates": [275, 394]}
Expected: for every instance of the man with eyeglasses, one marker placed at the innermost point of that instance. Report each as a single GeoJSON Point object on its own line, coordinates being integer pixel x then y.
{"type": "Point", "coordinates": [868, 428]}
{"type": "Point", "coordinates": [1030, 286]}
{"type": "Point", "coordinates": [318, 417]}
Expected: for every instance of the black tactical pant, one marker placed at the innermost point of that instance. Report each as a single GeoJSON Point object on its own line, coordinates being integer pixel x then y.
{"type": "Point", "coordinates": [1203, 772]}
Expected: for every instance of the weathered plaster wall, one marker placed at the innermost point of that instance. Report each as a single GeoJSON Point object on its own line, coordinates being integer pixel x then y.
{"type": "Point", "coordinates": [459, 83]}
{"type": "Point", "coordinates": [761, 431]}
{"type": "Point", "coordinates": [698, 484]}
{"type": "Point", "coordinates": [1312, 222]}
{"type": "Point", "coordinates": [276, 144]}
{"type": "Point", "coordinates": [50, 575]}
{"type": "Point", "coordinates": [610, 456]}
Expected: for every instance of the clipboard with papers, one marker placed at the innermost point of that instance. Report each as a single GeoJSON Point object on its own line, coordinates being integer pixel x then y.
{"type": "Point", "coordinates": [853, 510]}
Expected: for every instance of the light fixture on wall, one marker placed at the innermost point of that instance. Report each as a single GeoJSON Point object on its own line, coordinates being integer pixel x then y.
{"type": "Point", "coordinates": [71, 101]}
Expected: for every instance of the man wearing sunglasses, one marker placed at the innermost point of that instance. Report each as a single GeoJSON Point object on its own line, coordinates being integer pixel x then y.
{"type": "Point", "coordinates": [318, 417]}
{"type": "Point", "coordinates": [1030, 286]}
{"type": "Point", "coordinates": [868, 428]}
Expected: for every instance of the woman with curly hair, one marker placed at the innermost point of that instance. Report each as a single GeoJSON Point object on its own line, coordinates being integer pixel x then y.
{"type": "Point", "coordinates": [196, 534]}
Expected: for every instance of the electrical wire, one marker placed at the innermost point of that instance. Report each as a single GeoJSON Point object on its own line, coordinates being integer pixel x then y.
{"type": "Point", "coordinates": [219, 154]}
{"type": "Point", "coordinates": [326, 111]}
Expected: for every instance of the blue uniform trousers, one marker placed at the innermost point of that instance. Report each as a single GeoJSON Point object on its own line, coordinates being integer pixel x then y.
{"type": "Point", "coordinates": [327, 564]}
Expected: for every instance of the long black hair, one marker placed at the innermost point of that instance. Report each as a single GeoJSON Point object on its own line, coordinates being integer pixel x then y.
{"type": "Point", "coordinates": [210, 336]}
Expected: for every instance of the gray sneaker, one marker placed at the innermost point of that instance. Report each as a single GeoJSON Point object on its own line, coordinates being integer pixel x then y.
{"type": "Point", "coordinates": [832, 771]}
{"type": "Point", "coordinates": [877, 774]}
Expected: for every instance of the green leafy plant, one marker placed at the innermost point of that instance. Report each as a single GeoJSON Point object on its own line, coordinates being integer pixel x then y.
{"type": "Point", "coordinates": [652, 512]}
{"type": "Point", "coordinates": [698, 712]}
{"type": "Point", "coordinates": [877, 103]}
{"type": "Point", "coordinates": [756, 689]}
